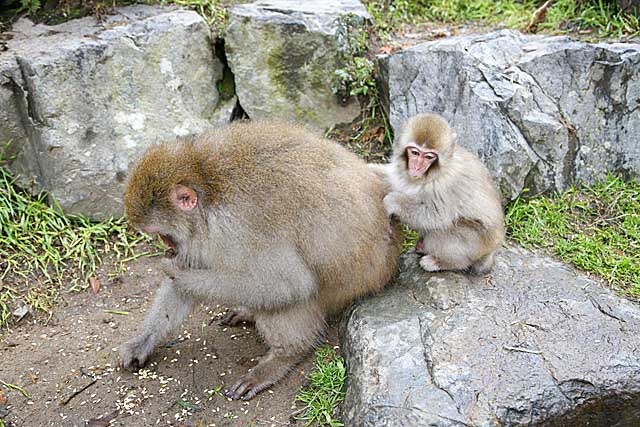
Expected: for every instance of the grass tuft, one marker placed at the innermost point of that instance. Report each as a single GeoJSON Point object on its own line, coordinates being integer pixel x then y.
{"type": "Point", "coordinates": [355, 76]}
{"type": "Point", "coordinates": [594, 17]}
{"type": "Point", "coordinates": [600, 16]}
{"type": "Point", "coordinates": [370, 135]}
{"type": "Point", "coordinates": [409, 238]}
{"type": "Point", "coordinates": [214, 12]}
{"type": "Point", "coordinates": [595, 228]}
{"type": "Point", "coordinates": [42, 246]}
{"type": "Point", "coordinates": [325, 392]}
{"type": "Point", "coordinates": [508, 13]}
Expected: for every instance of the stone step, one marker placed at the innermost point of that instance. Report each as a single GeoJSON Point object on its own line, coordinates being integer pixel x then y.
{"type": "Point", "coordinates": [534, 343]}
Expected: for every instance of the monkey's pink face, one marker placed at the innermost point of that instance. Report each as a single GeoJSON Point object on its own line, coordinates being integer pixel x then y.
{"type": "Point", "coordinates": [419, 159]}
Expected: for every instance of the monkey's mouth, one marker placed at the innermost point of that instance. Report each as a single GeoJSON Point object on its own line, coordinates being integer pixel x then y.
{"type": "Point", "coordinates": [172, 249]}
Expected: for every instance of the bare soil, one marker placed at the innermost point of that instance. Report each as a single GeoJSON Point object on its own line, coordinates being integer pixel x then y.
{"type": "Point", "coordinates": [68, 366]}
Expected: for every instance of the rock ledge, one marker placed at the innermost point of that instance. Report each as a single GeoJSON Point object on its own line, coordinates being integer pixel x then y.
{"type": "Point", "coordinates": [533, 344]}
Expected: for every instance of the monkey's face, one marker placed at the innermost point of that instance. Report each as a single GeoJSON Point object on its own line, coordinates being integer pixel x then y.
{"type": "Point", "coordinates": [419, 159]}
{"type": "Point", "coordinates": [155, 204]}
{"type": "Point", "coordinates": [182, 200]}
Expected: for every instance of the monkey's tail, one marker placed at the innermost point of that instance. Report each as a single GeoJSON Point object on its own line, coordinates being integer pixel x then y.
{"type": "Point", "coordinates": [483, 265]}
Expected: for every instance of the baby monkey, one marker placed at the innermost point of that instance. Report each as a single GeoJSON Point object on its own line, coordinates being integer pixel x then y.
{"type": "Point", "coordinates": [446, 194]}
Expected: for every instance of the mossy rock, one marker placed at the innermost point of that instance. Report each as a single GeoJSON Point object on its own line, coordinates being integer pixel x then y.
{"type": "Point", "coordinates": [283, 58]}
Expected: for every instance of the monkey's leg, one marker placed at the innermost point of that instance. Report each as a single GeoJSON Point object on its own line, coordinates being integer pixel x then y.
{"type": "Point", "coordinates": [169, 309]}
{"type": "Point", "coordinates": [430, 263]}
{"type": "Point", "coordinates": [237, 315]}
{"type": "Point", "coordinates": [484, 264]}
{"type": "Point", "coordinates": [291, 333]}
{"type": "Point", "coordinates": [453, 249]}
{"type": "Point", "coordinates": [435, 263]}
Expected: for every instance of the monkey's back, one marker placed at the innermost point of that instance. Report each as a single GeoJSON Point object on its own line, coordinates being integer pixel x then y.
{"type": "Point", "coordinates": [292, 186]}
{"type": "Point", "coordinates": [478, 202]}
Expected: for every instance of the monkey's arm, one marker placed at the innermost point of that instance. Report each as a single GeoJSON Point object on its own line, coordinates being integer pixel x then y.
{"type": "Point", "coordinates": [268, 279]}
{"type": "Point", "coordinates": [168, 311]}
{"type": "Point", "coordinates": [417, 214]}
{"type": "Point", "coordinates": [381, 169]}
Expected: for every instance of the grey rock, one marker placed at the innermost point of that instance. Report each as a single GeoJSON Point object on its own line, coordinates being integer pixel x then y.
{"type": "Point", "coordinates": [540, 111]}
{"type": "Point", "coordinates": [283, 54]}
{"type": "Point", "coordinates": [534, 344]}
{"type": "Point", "coordinates": [225, 112]}
{"type": "Point", "coordinates": [91, 96]}
{"type": "Point", "coordinates": [13, 135]}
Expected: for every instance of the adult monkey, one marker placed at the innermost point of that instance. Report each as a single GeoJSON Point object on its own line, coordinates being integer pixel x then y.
{"type": "Point", "coordinates": [446, 194]}
{"type": "Point", "coordinates": [266, 217]}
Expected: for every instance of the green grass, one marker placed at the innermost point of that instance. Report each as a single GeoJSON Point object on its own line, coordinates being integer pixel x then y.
{"type": "Point", "coordinates": [54, 12]}
{"type": "Point", "coordinates": [326, 390]}
{"type": "Point", "coordinates": [214, 12]}
{"type": "Point", "coordinates": [42, 250]}
{"type": "Point", "coordinates": [370, 136]}
{"type": "Point", "coordinates": [595, 228]}
{"type": "Point", "coordinates": [601, 16]}
{"type": "Point", "coordinates": [409, 238]}
{"type": "Point", "coordinates": [17, 388]}
{"type": "Point", "coordinates": [598, 17]}
{"type": "Point", "coordinates": [355, 76]}
{"type": "Point", "coordinates": [508, 13]}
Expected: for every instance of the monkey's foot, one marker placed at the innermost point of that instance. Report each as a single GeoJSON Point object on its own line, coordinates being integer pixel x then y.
{"type": "Point", "coordinates": [270, 370]}
{"type": "Point", "coordinates": [134, 353]}
{"type": "Point", "coordinates": [429, 263]}
{"type": "Point", "coordinates": [248, 386]}
{"type": "Point", "coordinates": [237, 315]}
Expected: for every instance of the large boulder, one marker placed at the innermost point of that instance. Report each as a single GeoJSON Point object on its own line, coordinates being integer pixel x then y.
{"type": "Point", "coordinates": [283, 55]}
{"type": "Point", "coordinates": [540, 111]}
{"type": "Point", "coordinates": [13, 135]}
{"type": "Point", "coordinates": [533, 344]}
{"type": "Point", "coordinates": [84, 98]}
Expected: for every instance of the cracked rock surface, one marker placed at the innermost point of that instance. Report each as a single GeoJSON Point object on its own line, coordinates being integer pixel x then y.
{"type": "Point", "coordinates": [534, 344]}
{"type": "Point", "coordinates": [283, 55]}
{"type": "Point", "coordinates": [81, 100]}
{"type": "Point", "coordinates": [540, 111]}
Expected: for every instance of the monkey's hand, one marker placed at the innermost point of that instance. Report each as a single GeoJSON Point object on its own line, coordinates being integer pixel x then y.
{"type": "Point", "coordinates": [169, 267]}
{"type": "Point", "coordinates": [134, 353]}
{"type": "Point", "coordinates": [379, 169]}
{"type": "Point", "coordinates": [391, 204]}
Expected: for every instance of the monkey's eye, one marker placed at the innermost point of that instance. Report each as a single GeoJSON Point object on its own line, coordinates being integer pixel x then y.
{"type": "Point", "coordinates": [431, 156]}
{"type": "Point", "coordinates": [414, 152]}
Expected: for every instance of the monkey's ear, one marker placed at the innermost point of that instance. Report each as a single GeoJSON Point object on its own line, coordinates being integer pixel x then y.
{"type": "Point", "coordinates": [454, 136]}
{"type": "Point", "coordinates": [184, 197]}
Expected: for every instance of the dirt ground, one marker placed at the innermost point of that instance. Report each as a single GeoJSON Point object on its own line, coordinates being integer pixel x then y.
{"type": "Point", "coordinates": [69, 369]}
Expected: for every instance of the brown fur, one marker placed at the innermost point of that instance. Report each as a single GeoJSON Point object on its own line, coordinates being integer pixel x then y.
{"type": "Point", "coordinates": [288, 226]}
{"type": "Point", "coordinates": [454, 206]}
